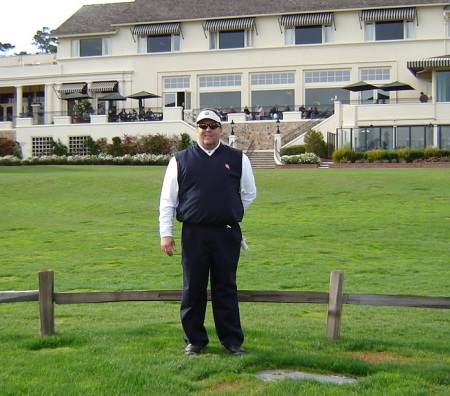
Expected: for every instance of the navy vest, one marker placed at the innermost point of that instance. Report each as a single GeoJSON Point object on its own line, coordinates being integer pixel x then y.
{"type": "Point", "coordinates": [209, 186]}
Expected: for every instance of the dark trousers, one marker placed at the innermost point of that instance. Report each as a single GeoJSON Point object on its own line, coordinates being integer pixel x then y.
{"type": "Point", "coordinates": [211, 252]}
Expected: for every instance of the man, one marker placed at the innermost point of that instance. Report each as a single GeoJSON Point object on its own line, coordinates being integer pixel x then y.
{"type": "Point", "coordinates": [209, 186]}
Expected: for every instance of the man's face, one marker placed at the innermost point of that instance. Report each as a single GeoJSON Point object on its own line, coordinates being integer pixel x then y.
{"type": "Point", "coordinates": [208, 138]}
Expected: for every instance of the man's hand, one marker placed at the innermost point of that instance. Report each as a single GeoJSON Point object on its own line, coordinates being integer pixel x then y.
{"type": "Point", "coordinates": [168, 245]}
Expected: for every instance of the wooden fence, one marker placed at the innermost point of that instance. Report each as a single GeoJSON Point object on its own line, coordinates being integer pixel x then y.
{"type": "Point", "coordinates": [335, 298]}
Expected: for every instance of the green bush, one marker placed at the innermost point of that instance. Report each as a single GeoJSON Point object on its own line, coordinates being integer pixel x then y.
{"type": "Point", "coordinates": [305, 158]}
{"type": "Point", "coordinates": [374, 155]}
{"type": "Point", "coordinates": [344, 154]}
{"type": "Point", "coordinates": [58, 148]}
{"type": "Point", "coordinates": [293, 150]}
{"type": "Point", "coordinates": [185, 141]}
{"type": "Point", "coordinates": [315, 143]}
{"type": "Point", "coordinates": [431, 152]}
{"type": "Point", "coordinates": [92, 146]}
{"type": "Point", "coordinates": [403, 154]}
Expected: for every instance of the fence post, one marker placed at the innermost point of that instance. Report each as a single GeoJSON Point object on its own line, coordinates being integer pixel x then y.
{"type": "Point", "coordinates": [335, 299]}
{"type": "Point", "coordinates": [46, 303]}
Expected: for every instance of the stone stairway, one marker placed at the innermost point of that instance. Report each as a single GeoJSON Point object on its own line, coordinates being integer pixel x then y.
{"type": "Point", "coordinates": [262, 159]}
{"type": "Point", "coordinates": [325, 165]}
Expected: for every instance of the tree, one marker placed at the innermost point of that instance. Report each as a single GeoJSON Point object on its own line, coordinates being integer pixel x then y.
{"type": "Point", "coordinates": [314, 143]}
{"type": "Point", "coordinates": [6, 47]}
{"type": "Point", "coordinates": [44, 42]}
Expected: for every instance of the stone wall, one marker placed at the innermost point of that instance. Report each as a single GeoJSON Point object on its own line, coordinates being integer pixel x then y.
{"type": "Point", "coordinates": [260, 132]}
{"type": "Point", "coordinates": [8, 134]}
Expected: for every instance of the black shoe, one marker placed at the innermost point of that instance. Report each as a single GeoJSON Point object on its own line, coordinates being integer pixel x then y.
{"type": "Point", "coordinates": [236, 350]}
{"type": "Point", "coordinates": [193, 349]}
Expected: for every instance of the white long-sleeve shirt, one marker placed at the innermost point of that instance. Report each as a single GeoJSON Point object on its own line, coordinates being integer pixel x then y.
{"type": "Point", "coordinates": [169, 192]}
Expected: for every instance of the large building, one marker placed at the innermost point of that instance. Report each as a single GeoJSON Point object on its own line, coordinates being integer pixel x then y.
{"type": "Point", "coordinates": [206, 53]}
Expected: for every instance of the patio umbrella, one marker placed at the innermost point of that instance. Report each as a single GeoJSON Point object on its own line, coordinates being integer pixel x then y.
{"type": "Point", "coordinates": [396, 86]}
{"type": "Point", "coordinates": [360, 86]}
{"type": "Point", "coordinates": [76, 96]}
{"type": "Point", "coordinates": [112, 96]}
{"type": "Point", "coordinates": [142, 95]}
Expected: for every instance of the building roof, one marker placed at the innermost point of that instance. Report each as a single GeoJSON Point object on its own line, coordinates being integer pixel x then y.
{"type": "Point", "coordinates": [102, 18]}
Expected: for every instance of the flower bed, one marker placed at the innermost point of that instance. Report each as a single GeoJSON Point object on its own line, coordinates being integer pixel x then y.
{"type": "Point", "coordinates": [391, 165]}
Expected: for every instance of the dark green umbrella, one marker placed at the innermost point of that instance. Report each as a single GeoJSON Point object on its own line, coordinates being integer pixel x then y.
{"type": "Point", "coordinates": [112, 96]}
{"type": "Point", "coordinates": [360, 86]}
{"type": "Point", "coordinates": [76, 96]}
{"type": "Point", "coordinates": [396, 86]}
{"type": "Point", "coordinates": [142, 95]}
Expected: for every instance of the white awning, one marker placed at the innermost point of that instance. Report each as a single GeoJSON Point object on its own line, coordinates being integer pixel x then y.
{"type": "Point", "coordinates": [156, 28]}
{"type": "Point", "coordinates": [321, 18]}
{"type": "Point", "coordinates": [416, 66]}
{"type": "Point", "coordinates": [388, 14]}
{"type": "Point", "coordinates": [71, 87]}
{"type": "Point", "coordinates": [103, 86]}
{"type": "Point", "coordinates": [216, 25]}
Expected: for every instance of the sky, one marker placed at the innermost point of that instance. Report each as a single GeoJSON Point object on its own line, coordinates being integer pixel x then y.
{"type": "Point", "coordinates": [21, 19]}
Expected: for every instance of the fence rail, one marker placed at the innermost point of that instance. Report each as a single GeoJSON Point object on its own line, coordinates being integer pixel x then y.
{"type": "Point", "coordinates": [335, 298]}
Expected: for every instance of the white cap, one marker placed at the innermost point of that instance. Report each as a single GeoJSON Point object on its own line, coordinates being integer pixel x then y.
{"type": "Point", "coordinates": [208, 113]}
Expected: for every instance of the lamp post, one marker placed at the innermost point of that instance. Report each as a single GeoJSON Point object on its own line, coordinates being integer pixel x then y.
{"type": "Point", "coordinates": [277, 144]}
{"type": "Point", "coordinates": [232, 137]}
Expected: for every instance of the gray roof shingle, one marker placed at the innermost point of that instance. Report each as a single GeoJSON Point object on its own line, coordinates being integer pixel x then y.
{"type": "Point", "coordinates": [101, 18]}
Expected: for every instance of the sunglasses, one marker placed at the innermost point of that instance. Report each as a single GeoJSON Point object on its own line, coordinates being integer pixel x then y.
{"type": "Point", "coordinates": [211, 126]}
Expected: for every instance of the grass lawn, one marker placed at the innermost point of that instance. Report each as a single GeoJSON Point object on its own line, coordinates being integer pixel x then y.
{"type": "Point", "coordinates": [97, 228]}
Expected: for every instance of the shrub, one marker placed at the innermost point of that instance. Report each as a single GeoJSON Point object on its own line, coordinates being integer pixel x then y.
{"type": "Point", "coordinates": [10, 147]}
{"type": "Point", "coordinates": [185, 142]}
{"type": "Point", "coordinates": [92, 146]}
{"type": "Point", "coordinates": [403, 154]}
{"type": "Point", "coordinates": [293, 150]}
{"type": "Point", "coordinates": [314, 143]}
{"type": "Point", "coordinates": [344, 154]}
{"type": "Point", "coordinates": [376, 155]}
{"type": "Point", "coordinates": [102, 159]}
{"type": "Point", "coordinates": [305, 158]}
{"type": "Point", "coordinates": [58, 148]}
{"type": "Point", "coordinates": [431, 152]}
{"type": "Point", "coordinates": [116, 148]}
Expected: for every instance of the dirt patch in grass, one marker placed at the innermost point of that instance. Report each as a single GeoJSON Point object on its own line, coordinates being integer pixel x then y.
{"type": "Point", "coordinates": [379, 357]}
{"type": "Point", "coordinates": [224, 386]}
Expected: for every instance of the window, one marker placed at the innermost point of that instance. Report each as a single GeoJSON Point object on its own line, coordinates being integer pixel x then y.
{"type": "Point", "coordinates": [222, 100]}
{"type": "Point", "coordinates": [415, 137]}
{"type": "Point", "coordinates": [77, 145]}
{"type": "Point", "coordinates": [268, 98]}
{"type": "Point", "coordinates": [41, 146]}
{"type": "Point", "coordinates": [327, 76]}
{"type": "Point", "coordinates": [392, 30]}
{"type": "Point", "coordinates": [91, 47]}
{"type": "Point", "coordinates": [444, 136]}
{"type": "Point", "coordinates": [163, 43]}
{"type": "Point", "coordinates": [301, 35]}
{"type": "Point", "coordinates": [378, 74]}
{"type": "Point", "coordinates": [159, 37]}
{"type": "Point", "coordinates": [230, 33]}
{"type": "Point", "coordinates": [443, 86]}
{"type": "Point", "coordinates": [314, 28]}
{"type": "Point", "coordinates": [176, 82]}
{"type": "Point", "coordinates": [388, 24]}
{"type": "Point", "coordinates": [230, 39]}
{"type": "Point", "coordinates": [159, 43]}
{"type": "Point", "coordinates": [323, 98]}
{"type": "Point", "coordinates": [232, 80]}
{"type": "Point", "coordinates": [273, 78]}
